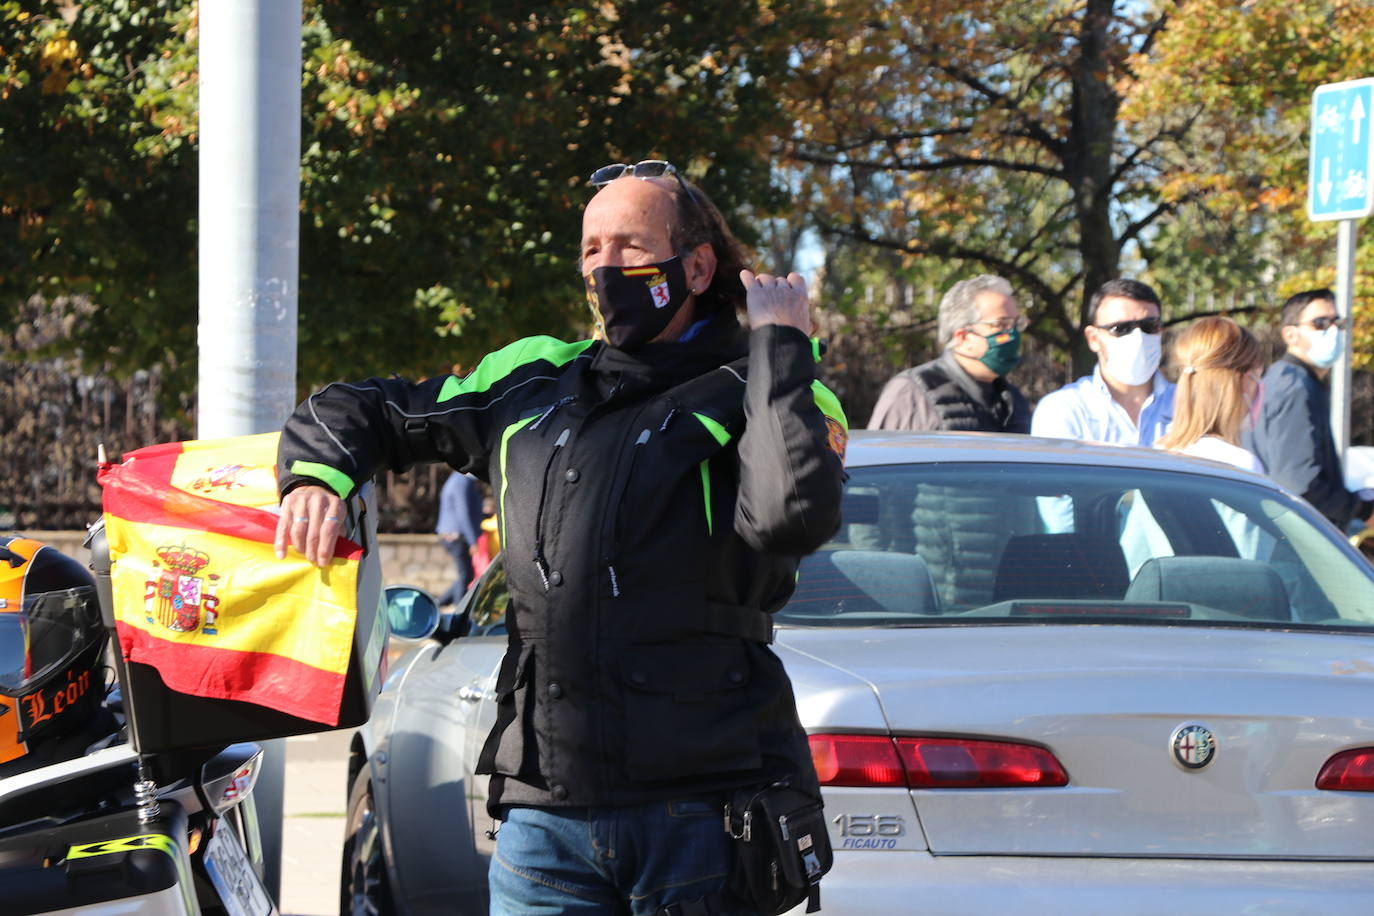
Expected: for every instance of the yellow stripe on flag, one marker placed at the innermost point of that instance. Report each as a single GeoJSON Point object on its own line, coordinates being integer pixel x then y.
{"type": "Point", "coordinates": [217, 591]}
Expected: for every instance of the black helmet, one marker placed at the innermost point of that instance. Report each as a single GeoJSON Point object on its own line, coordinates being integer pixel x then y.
{"type": "Point", "coordinates": [51, 645]}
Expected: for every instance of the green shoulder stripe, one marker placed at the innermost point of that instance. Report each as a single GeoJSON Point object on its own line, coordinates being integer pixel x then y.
{"type": "Point", "coordinates": [829, 404]}
{"type": "Point", "coordinates": [498, 365]}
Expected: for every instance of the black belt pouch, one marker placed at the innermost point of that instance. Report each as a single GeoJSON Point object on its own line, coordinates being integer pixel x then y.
{"type": "Point", "coordinates": [782, 848]}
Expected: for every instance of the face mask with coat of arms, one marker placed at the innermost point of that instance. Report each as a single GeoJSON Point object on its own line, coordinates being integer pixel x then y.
{"type": "Point", "coordinates": [632, 305]}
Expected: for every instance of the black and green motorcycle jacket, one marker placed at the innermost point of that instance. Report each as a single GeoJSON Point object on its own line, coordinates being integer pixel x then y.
{"type": "Point", "coordinates": [653, 507]}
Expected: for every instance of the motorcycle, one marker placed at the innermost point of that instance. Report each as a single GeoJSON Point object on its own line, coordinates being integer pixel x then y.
{"type": "Point", "coordinates": [116, 831]}
{"type": "Point", "coordinates": [156, 816]}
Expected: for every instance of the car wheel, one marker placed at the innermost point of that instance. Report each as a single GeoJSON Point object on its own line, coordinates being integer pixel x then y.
{"type": "Point", "coordinates": [364, 889]}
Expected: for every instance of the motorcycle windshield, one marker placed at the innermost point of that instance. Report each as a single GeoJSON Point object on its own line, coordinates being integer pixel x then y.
{"type": "Point", "coordinates": [45, 635]}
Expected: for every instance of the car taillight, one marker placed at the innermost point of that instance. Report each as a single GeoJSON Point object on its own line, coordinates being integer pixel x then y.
{"type": "Point", "coordinates": [856, 760]}
{"type": "Point", "coordinates": [1349, 771]}
{"type": "Point", "coordinates": [932, 763]}
{"type": "Point", "coordinates": [961, 763]}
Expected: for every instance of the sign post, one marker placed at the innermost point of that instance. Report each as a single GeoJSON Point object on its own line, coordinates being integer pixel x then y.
{"type": "Point", "coordinates": [1340, 187]}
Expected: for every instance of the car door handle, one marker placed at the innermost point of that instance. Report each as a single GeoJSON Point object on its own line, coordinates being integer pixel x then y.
{"type": "Point", "coordinates": [471, 694]}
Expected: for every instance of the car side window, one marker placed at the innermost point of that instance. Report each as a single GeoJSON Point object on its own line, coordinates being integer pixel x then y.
{"type": "Point", "coordinates": [1139, 533]}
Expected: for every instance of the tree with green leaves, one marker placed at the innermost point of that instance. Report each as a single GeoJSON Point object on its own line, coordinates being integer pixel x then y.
{"type": "Point", "coordinates": [445, 150]}
{"type": "Point", "coordinates": [445, 154]}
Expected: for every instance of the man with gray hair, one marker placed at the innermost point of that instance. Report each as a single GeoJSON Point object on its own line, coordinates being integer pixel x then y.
{"type": "Point", "coordinates": [964, 388]}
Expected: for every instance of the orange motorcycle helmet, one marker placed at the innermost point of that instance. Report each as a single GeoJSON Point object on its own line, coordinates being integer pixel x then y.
{"type": "Point", "coordinates": [51, 646]}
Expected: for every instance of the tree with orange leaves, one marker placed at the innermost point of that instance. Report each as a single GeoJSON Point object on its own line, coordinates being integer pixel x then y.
{"type": "Point", "coordinates": [1061, 143]}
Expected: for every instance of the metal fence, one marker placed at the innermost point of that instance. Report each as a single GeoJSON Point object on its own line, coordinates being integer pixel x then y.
{"type": "Point", "coordinates": [53, 417]}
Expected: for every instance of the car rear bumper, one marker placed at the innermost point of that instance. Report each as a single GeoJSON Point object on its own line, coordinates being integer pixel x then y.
{"type": "Point", "coordinates": [878, 883]}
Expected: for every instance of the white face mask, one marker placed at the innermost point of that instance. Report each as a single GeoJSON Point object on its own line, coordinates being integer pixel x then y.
{"type": "Point", "coordinates": [1326, 345]}
{"type": "Point", "coordinates": [1133, 359]}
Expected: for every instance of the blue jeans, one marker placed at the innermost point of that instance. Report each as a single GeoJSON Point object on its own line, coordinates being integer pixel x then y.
{"type": "Point", "coordinates": [612, 861]}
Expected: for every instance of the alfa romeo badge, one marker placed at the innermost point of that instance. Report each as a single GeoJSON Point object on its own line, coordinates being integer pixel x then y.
{"type": "Point", "coordinates": [1193, 745]}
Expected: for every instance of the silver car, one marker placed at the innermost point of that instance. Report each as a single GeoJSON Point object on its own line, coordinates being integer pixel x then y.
{"type": "Point", "coordinates": [1039, 677]}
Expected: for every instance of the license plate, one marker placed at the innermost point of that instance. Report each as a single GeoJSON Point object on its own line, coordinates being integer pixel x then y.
{"type": "Point", "coordinates": [231, 873]}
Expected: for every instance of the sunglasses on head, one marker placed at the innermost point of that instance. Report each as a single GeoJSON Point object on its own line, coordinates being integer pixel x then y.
{"type": "Point", "coordinates": [643, 170]}
{"type": "Point", "coordinates": [1122, 328]}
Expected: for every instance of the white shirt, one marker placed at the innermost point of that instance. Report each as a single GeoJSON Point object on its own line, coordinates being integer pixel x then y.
{"type": "Point", "coordinates": [1218, 449]}
{"type": "Point", "coordinates": [1086, 410]}
{"type": "Point", "coordinates": [1252, 543]}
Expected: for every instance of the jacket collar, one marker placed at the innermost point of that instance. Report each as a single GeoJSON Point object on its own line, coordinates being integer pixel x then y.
{"type": "Point", "coordinates": [985, 393]}
{"type": "Point", "coordinates": [1158, 384]}
{"type": "Point", "coordinates": [663, 365]}
{"type": "Point", "coordinates": [1311, 373]}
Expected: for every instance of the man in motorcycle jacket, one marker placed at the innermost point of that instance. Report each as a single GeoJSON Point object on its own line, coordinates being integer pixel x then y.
{"type": "Point", "coordinates": [655, 487]}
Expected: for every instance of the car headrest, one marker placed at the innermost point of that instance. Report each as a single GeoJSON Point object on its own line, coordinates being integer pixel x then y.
{"type": "Point", "coordinates": [1060, 566]}
{"type": "Point", "coordinates": [1249, 588]}
{"type": "Point", "coordinates": [876, 581]}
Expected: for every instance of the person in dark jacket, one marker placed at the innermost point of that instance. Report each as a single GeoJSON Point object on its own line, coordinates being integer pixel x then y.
{"type": "Point", "coordinates": [458, 527]}
{"type": "Point", "coordinates": [1292, 434]}
{"type": "Point", "coordinates": [656, 487]}
{"type": "Point", "coordinates": [965, 387]}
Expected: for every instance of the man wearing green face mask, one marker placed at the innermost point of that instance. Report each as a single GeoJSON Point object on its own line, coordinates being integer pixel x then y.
{"type": "Point", "coordinates": [964, 388]}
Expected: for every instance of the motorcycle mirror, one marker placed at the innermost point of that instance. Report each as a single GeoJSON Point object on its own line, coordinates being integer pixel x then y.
{"type": "Point", "coordinates": [412, 613]}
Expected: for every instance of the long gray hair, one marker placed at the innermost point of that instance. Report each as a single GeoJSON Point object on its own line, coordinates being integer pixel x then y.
{"type": "Point", "coordinates": [959, 306]}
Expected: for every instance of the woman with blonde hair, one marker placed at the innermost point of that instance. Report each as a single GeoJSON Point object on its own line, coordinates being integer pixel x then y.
{"type": "Point", "coordinates": [1219, 388]}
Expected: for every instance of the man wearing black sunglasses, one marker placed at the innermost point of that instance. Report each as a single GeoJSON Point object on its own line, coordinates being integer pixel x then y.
{"type": "Point", "coordinates": [656, 487]}
{"type": "Point", "coordinates": [1292, 435]}
{"type": "Point", "coordinates": [1126, 399]}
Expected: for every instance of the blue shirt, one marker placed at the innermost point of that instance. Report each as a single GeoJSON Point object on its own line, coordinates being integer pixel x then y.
{"type": "Point", "coordinates": [460, 508]}
{"type": "Point", "coordinates": [1086, 410]}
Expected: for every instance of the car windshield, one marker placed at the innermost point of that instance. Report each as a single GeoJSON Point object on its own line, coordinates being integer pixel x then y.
{"type": "Point", "coordinates": [924, 544]}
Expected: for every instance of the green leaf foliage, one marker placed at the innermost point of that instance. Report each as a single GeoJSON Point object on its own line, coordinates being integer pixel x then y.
{"type": "Point", "coordinates": [445, 149]}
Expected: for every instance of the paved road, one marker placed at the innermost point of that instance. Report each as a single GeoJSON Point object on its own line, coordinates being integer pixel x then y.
{"type": "Point", "coordinates": [312, 839]}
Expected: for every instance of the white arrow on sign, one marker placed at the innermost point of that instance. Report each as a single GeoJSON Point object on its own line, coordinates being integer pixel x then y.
{"type": "Point", "coordinates": [1356, 116]}
{"type": "Point", "coordinates": [1324, 186]}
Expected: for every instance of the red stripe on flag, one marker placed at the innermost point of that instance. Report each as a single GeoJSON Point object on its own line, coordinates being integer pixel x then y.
{"type": "Point", "coordinates": [261, 678]}
{"type": "Point", "coordinates": [139, 492]}
{"type": "Point", "coordinates": [159, 459]}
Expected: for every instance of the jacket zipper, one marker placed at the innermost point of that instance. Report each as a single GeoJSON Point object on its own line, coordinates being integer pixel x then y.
{"type": "Point", "coordinates": [619, 505]}
{"type": "Point", "coordinates": [551, 408]}
{"type": "Point", "coordinates": [540, 561]}
{"type": "Point", "coordinates": [672, 412]}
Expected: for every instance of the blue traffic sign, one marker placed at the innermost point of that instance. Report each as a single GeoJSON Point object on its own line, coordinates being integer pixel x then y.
{"type": "Point", "coordinates": [1339, 184]}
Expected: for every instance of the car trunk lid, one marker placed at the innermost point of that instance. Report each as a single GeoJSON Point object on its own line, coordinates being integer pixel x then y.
{"type": "Point", "coordinates": [1109, 702]}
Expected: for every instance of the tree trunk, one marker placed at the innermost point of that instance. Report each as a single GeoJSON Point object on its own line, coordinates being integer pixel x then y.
{"type": "Point", "coordinates": [1088, 162]}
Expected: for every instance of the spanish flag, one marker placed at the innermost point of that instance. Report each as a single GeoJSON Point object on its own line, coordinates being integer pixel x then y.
{"type": "Point", "coordinates": [199, 594]}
